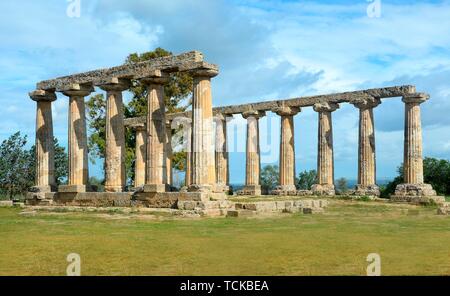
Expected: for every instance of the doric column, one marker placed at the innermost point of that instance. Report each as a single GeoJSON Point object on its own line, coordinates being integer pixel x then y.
{"type": "Point", "coordinates": [141, 152]}
{"type": "Point", "coordinates": [169, 152]}
{"type": "Point", "coordinates": [222, 169]}
{"type": "Point", "coordinates": [287, 150]}
{"type": "Point", "coordinates": [253, 162]}
{"type": "Point", "coordinates": [203, 165]}
{"type": "Point", "coordinates": [156, 134]}
{"type": "Point", "coordinates": [413, 163]}
{"type": "Point", "coordinates": [78, 150]}
{"type": "Point", "coordinates": [45, 154]}
{"type": "Point", "coordinates": [366, 148]}
{"type": "Point", "coordinates": [188, 149]}
{"type": "Point", "coordinates": [325, 161]}
{"type": "Point", "coordinates": [115, 173]}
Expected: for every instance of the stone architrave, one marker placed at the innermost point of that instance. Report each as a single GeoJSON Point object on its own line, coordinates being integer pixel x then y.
{"type": "Point", "coordinates": [78, 149]}
{"type": "Point", "coordinates": [203, 175]}
{"type": "Point", "coordinates": [156, 134]}
{"type": "Point", "coordinates": [366, 185]}
{"type": "Point", "coordinates": [325, 158]}
{"type": "Point", "coordinates": [287, 151]}
{"type": "Point", "coordinates": [141, 152]}
{"type": "Point", "coordinates": [115, 173]}
{"type": "Point", "coordinates": [253, 157]}
{"type": "Point", "coordinates": [414, 188]}
{"type": "Point", "coordinates": [222, 165]}
{"type": "Point", "coordinates": [45, 151]}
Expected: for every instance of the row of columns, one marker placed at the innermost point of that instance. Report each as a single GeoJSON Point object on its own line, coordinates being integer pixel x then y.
{"type": "Point", "coordinates": [207, 167]}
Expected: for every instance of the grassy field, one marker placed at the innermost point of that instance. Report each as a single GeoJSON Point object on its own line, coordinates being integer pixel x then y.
{"type": "Point", "coordinates": [410, 241]}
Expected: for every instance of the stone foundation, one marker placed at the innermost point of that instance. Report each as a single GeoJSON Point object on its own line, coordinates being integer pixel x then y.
{"type": "Point", "coordinates": [250, 190]}
{"type": "Point", "coordinates": [366, 190]}
{"type": "Point", "coordinates": [248, 209]}
{"type": "Point", "coordinates": [323, 189]}
{"type": "Point", "coordinates": [284, 190]}
{"type": "Point", "coordinates": [416, 194]}
{"type": "Point", "coordinates": [444, 209]}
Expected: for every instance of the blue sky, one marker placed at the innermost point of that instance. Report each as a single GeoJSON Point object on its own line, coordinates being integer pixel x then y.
{"type": "Point", "coordinates": [265, 50]}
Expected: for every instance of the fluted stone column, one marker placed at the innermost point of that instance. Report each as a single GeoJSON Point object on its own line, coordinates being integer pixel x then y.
{"type": "Point", "coordinates": [169, 153]}
{"type": "Point", "coordinates": [78, 149]}
{"type": "Point", "coordinates": [253, 162]}
{"type": "Point", "coordinates": [45, 154]}
{"type": "Point", "coordinates": [188, 148]}
{"type": "Point", "coordinates": [222, 166]}
{"type": "Point", "coordinates": [366, 148]}
{"type": "Point", "coordinates": [141, 152]}
{"type": "Point", "coordinates": [325, 158]}
{"type": "Point", "coordinates": [156, 134]}
{"type": "Point", "coordinates": [414, 185]}
{"type": "Point", "coordinates": [287, 151]}
{"type": "Point", "coordinates": [115, 173]}
{"type": "Point", "coordinates": [203, 164]}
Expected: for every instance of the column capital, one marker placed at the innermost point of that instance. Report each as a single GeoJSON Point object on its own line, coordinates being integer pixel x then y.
{"type": "Point", "coordinates": [204, 72]}
{"type": "Point", "coordinates": [325, 107]}
{"type": "Point", "coordinates": [418, 98]}
{"type": "Point", "coordinates": [157, 77]}
{"type": "Point", "coordinates": [367, 102]}
{"type": "Point", "coordinates": [116, 84]}
{"type": "Point", "coordinates": [138, 126]}
{"type": "Point", "coordinates": [286, 111]}
{"type": "Point", "coordinates": [222, 116]}
{"type": "Point", "coordinates": [42, 95]}
{"type": "Point", "coordinates": [254, 113]}
{"type": "Point", "coordinates": [79, 90]}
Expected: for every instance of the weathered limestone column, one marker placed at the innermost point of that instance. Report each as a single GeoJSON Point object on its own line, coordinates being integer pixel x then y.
{"type": "Point", "coordinates": [203, 165]}
{"type": "Point", "coordinates": [115, 173]}
{"type": "Point", "coordinates": [45, 154]}
{"type": "Point", "coordinates": [156, 134]}
{"type": "Point", "coordinates": [325, 160]}
{"type": "Point", "coordinates": [169, 152]}
{"type": "Point", "coordinates": [222, 166]}
{"type": "Point", "coordinates": [253, 163]}
{"type": "Point", "coordinates": [188, 172]}
{"type": "Point", "coordinates": [366, 148]}
{"type": "Point", "coordinates": [414, 185]}
{"type": "Point", "coordinates": [287, 150]}
{"type": "Point", "coordinates": [141, 152]}
{"type": "Point", "coordinates": [78, 150]}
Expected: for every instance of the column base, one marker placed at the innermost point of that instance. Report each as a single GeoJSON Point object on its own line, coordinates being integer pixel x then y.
{"type": "Point", "coordinates": [46, 188]}
{"type": "Point", "coordinates": [250, 190]}
{"type": "Point", "coordinates": [155, 188]}
{"type": "Point", "coordinates": [367, 190]}
{"type": "Point", "coordinates": [323, 189]}
{"type": "Point", "coordinates": [284, 190]}
{"type": "Point", "coordinates": [221, 188]}
{"type": "Point", "coordinates": [200, 188]}
{"type": "Point", "coordinates": [417, 194]}
{"type": "Point", "coordinates": [76, 188]}
{"type": "Point", "coordinates": [111, 188]}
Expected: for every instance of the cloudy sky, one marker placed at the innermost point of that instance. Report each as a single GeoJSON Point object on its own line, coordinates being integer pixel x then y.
{"type": "Point", "coordinates": [265, 49]}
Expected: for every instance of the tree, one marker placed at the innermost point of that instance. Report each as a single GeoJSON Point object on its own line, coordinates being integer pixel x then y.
{"type": "Point", "coordinates": [342, 185]}
{"type": "Point", "coordinates": [306, 179]}
{"type": "Point", "coordinates": [177, 93]}
{"type": "Point", "coordinates": [269, 177]}
{"type": "Point", "coordinates": [18, 165]}
{"type": "Point", "coordinates": [15, 169]}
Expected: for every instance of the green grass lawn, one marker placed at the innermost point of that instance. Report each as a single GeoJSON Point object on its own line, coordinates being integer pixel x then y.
{"type": "Point", "coordinates": [410, 241]}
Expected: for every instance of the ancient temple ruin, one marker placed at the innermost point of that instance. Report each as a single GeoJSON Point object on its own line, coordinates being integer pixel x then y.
{"type": "Point", "coordinates": [207, 173]}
